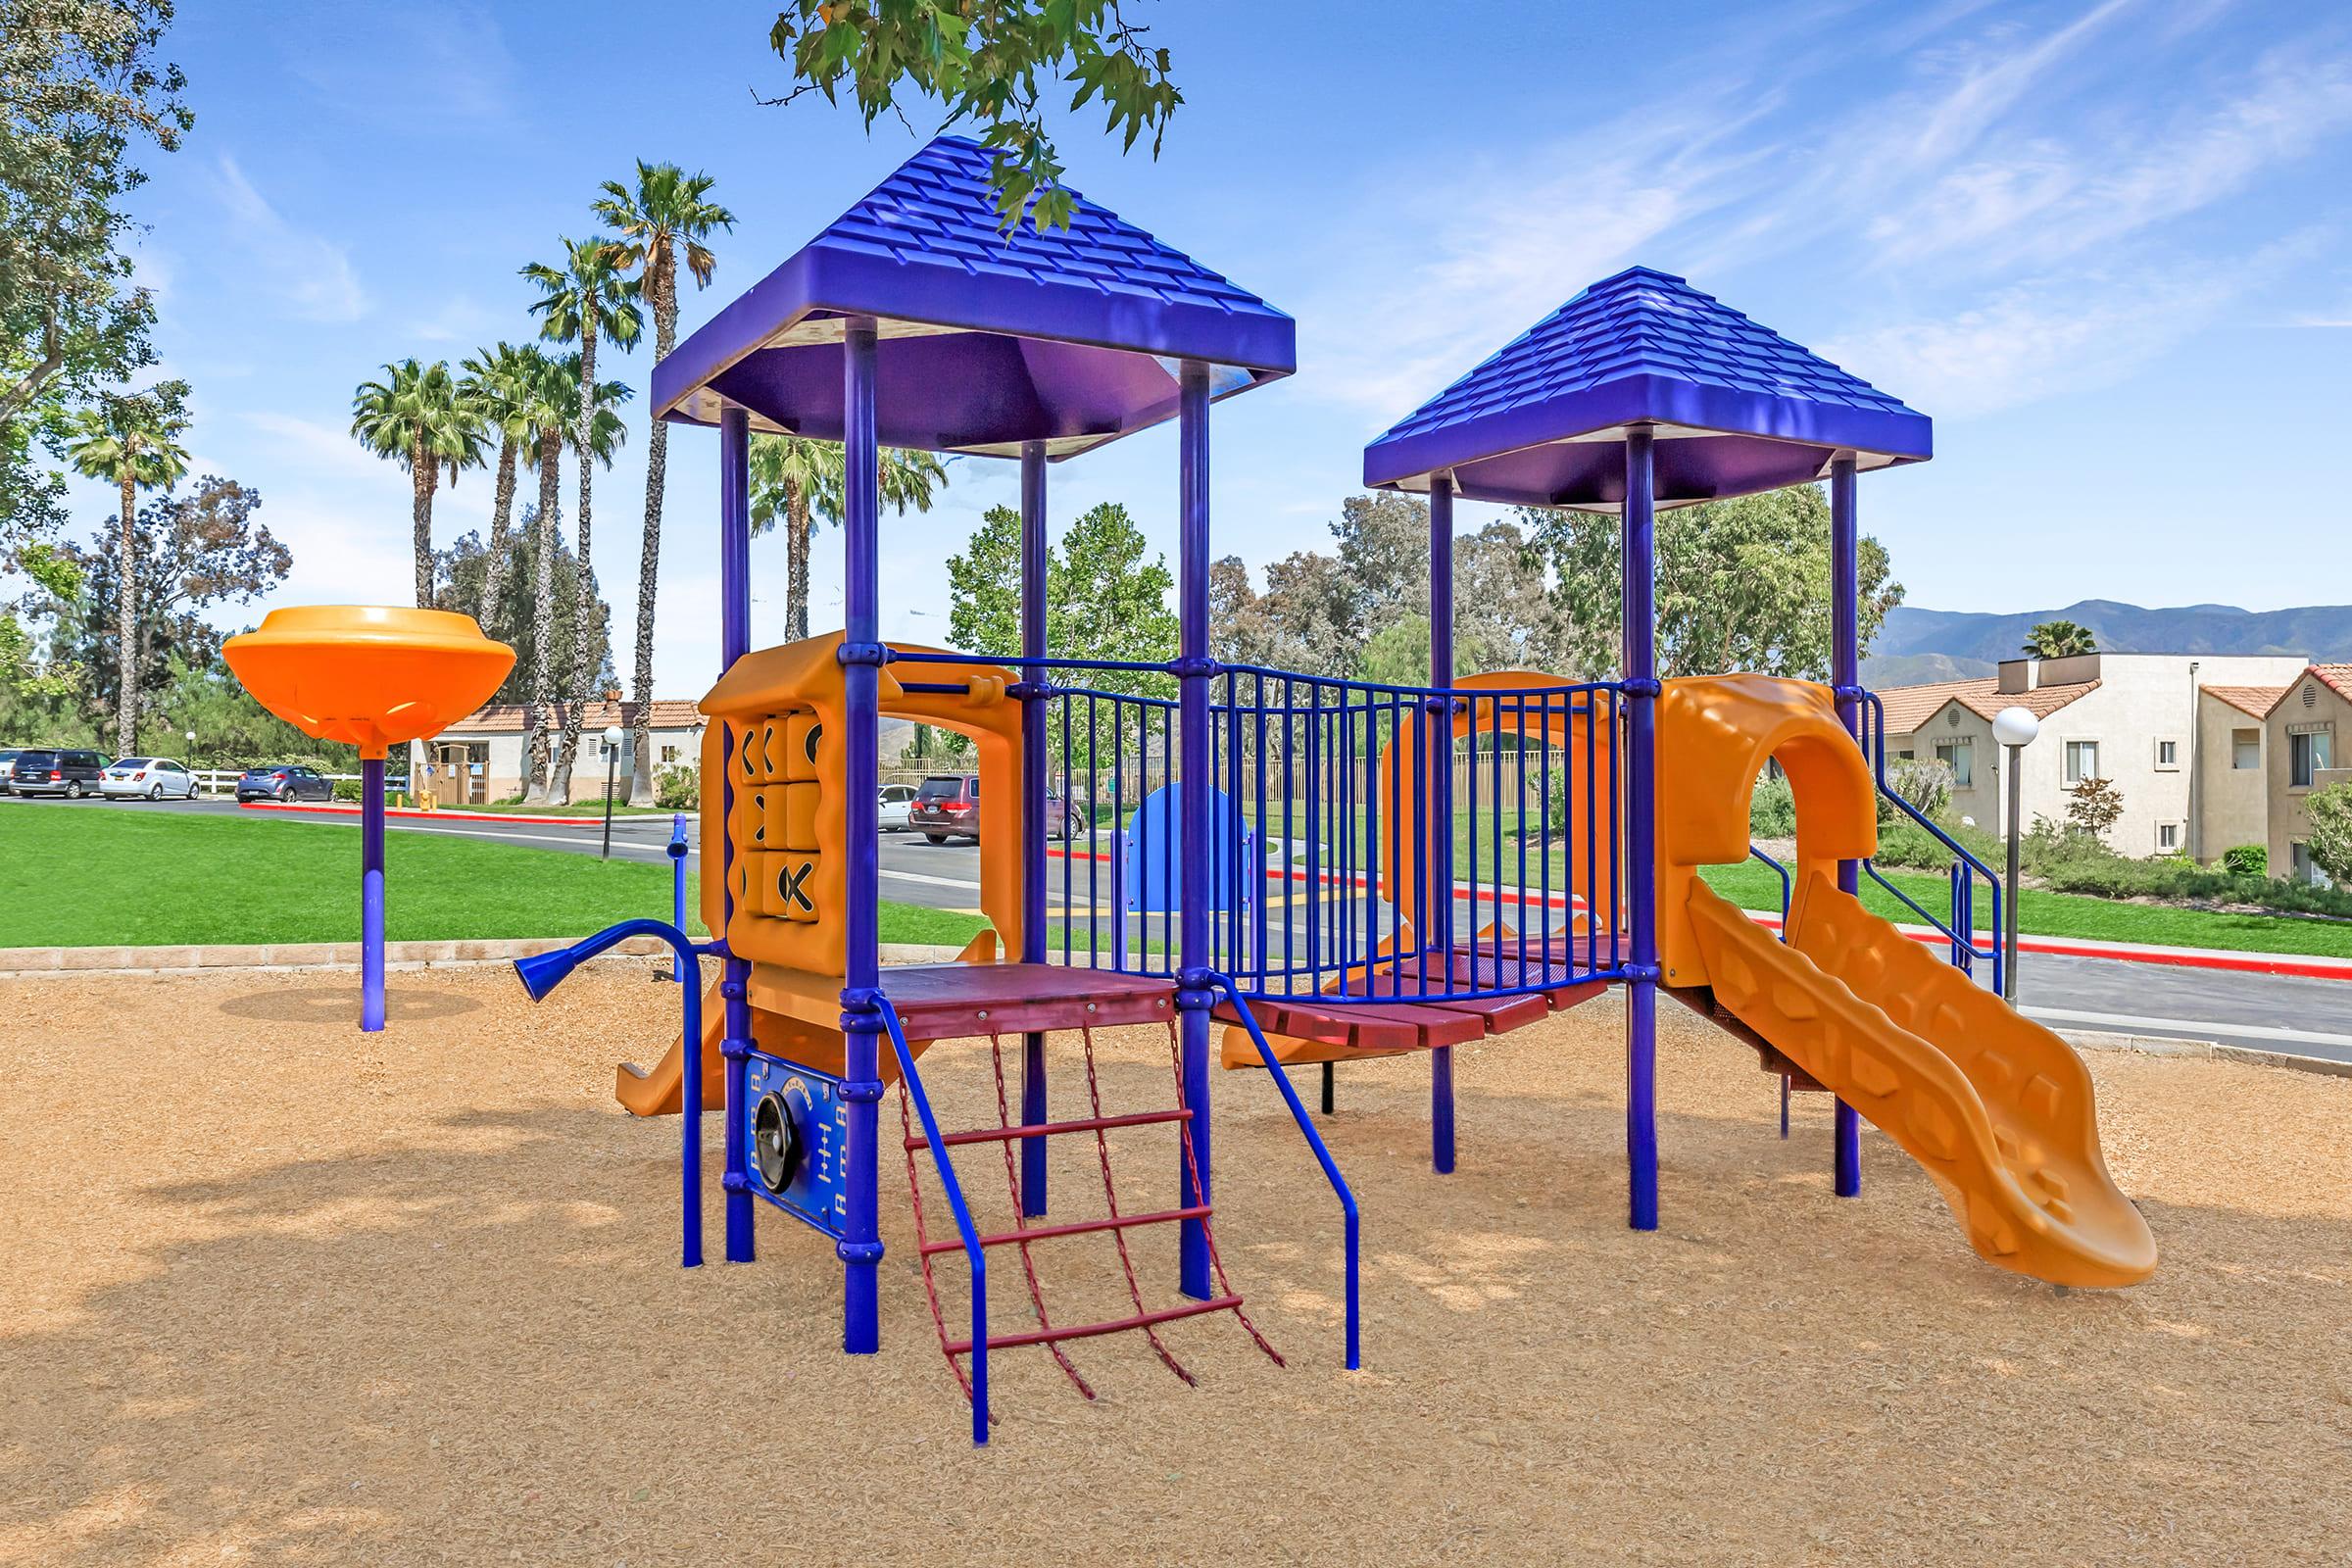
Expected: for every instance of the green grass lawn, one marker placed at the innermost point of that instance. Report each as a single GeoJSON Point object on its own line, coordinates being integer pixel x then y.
{"type": "Point", "coordinates": [1754, 885]}
{"type": "Point", "coordinates": [106, 876]}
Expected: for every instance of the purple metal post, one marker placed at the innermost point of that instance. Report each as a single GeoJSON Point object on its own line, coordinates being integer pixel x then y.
{"type": "Point", "coordinates": [372, 894]}
{"type": "Point", "coordinates": [1192, 665]}
{"type": "Point", "coordinates": [1438, 782]}
{"type": "Point", "coordinates": [735, 974]}
{"type": "Point", "coordinates": [1033, 807]}
{"type": "Point", "coordinates": [1846, 673]}
{"type": "Point", "coordinates": [862, 654]}
{"type": "Point", "coordinates": [1640, 832]}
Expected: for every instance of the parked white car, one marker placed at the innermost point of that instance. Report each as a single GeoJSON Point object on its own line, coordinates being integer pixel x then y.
{"type": "Point", "coordinates": [158, 778]}
{"type": "Point", "coordinates": [890, 806]}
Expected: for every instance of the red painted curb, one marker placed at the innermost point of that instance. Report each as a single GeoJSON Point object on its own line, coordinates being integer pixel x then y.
{"type": "Point", "coordinates": [450, 816]}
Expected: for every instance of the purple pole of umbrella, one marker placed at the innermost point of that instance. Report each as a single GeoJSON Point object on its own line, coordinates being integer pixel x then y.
{"type": "Point", "coordinates": [1641, 833]}
{"type": "Point", "coordinates": [1440, 784]}
{"type": "Point", "coordinates": [734, 641]}
{"type": "Point", "coordinates": [372, 894]}
{"type": "Point", "coordinates": [1192, 996]}
{"type": "Point", "coordinates": [862, 654]}
{"type": "Point", "coordinates": [1034, 712]}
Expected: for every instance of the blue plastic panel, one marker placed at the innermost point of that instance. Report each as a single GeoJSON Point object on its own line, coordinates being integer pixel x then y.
{"type": "Point", "coordinates": [817, 1191]}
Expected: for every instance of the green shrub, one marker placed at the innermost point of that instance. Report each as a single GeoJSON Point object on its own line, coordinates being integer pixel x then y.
{"type": "Point", "coordinates": [1905, 843]}
{"type": "Point", "coordinates": [2247, 859]}
{"type": "Point", "coordinates": [1772, 812]}
{"type": "Point", "coordinates": [678, 789]}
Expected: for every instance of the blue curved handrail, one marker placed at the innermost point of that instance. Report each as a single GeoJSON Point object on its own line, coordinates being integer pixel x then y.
{"type": "Point", "coordinates": [1874, 736]}
{"type": "Point", "coordinates": [1314, 1142]}
{"type": "Point", "coordinates": [1787, 887]}
{"type": "Point", "coordinates": [973, 1253]}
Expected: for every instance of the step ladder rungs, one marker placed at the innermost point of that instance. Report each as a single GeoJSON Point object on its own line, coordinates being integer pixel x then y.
{"type": "Point", "coordinates": [1046, 1129]}
{"type": "Point", "coordinates": [1088, 1331]}
{"type": "Point", "coordinates": [1083, 1227]}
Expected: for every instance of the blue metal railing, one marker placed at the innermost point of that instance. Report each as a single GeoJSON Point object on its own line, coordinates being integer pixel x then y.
{"type": "Point", "coordinates": [1510, 831]}
{"type": "Point", "coordinates": [974, 1253]}
{"type": "Point", "coordinates": [1314, 1142]}
{"type": "Point", "coordinates": [1958, 927]}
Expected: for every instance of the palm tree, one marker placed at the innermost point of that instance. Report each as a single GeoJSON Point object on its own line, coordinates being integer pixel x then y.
{"type": "Point", "coordinates": [133, 441]}
{"type": "Point", "coordinates": [2060, 639]}
{"type": "Point", "coordinates": [605, 432]}
{"type": "Point", "coordinates": [794, 477]}
{"type": "Point", "coordinates": [422, 417]}
{"type": "Point", "coordinates": [499, 381]}
{"type": "Point", "coordinates": [547, 401]}
{"type": "Point", "coordinates": [669, 208]}
{"type": "Point", "coordinates": [584, 300]}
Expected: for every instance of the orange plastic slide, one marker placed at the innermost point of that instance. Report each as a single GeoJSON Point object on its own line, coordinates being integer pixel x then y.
{"type": "Point", "coordinates": [1994, 1106]}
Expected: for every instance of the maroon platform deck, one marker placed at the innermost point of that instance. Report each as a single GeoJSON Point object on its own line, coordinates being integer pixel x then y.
{"type": "Point", "coordinates": [951, 1000]}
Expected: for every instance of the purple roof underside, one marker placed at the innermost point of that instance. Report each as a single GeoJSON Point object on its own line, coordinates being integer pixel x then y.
{"type": "Point", "coordinates": [1736, 408]}
{"type": "Point", "coordinates": [1070, 338]}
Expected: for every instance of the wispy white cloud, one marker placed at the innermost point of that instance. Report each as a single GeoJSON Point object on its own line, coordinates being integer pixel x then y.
{"type": "Point", "coordinates": [462, 319]}
{"type": "Point", "coordinates": [310, 274]}
{"type": "Point", "coordinates": [2055, 334]}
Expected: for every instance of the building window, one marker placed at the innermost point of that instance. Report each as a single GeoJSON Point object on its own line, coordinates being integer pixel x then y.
{"type": "Point", "coordinates": [669, 755]}
{"type": "Point", "coordinates": [2168, 837]}
{"type": "Point", "coordinates": [1958, 755]}
{"type": "Point", "coordinates": [2302, 868]}
{"type": "Point", "coordinates": [2245, 748]}
{"type": "Point", "coordinates": [2082, 760]}
{"type": "Point", "coordinates": [2306, 754]}
{"type": "Point", "coordinates": [2168, 754]}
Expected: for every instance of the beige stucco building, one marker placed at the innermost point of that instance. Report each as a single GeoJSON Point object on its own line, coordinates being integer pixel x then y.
{"type": "Point", "coordinates": [2142, 721]}
{"type": "Point", "coordinates": [2304, 734]}
{"type": "Point", "coordinates": [481, 755]}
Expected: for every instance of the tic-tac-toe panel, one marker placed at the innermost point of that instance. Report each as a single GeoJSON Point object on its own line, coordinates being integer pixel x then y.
{"type": "Point", "coordinates": [786, 884]}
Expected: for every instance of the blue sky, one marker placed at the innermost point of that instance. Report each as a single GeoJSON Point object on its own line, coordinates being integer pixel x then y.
{"type": "Point", "coordinates": [2108, 246]}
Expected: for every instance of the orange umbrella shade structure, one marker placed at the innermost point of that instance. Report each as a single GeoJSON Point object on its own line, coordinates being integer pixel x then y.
{"type": "Point", "coordinates": [372, 675]}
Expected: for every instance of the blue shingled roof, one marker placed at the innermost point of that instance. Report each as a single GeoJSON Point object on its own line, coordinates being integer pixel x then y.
{"type": "Point", "coordinates": [1643, 347]}
{"type": "Point", "coordinates": [937, 209]}
{"type": "Point", "coordinates": [1018, 325]}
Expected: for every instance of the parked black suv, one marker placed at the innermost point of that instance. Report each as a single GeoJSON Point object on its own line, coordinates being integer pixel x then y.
{"type": "Point", "coordinates": [283, 781]}
{"type": "Point", "coordinates": [949, 804]}
{"type": "Point", "coordinates": [71, 773]}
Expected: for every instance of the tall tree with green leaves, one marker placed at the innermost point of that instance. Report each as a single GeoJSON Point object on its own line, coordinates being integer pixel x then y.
{"type": "Point", "coordinates": [424, 419]}
{"type": "Point", "coordinates": [1741, 585]}
{"type": "Point", "coordinates": [661, 220]}
{"type": "Point", "coordinates": [81, 84]}
{"type": "Point", "coordinates": [586, 301]}
{"type": "Point", "coordinates": [795, 479]}
{"type": "Point", "coordinates": [499, 381]}
{"type": "Point", "coordinates": [132, 441]}
{"type": "Point", "coordinates": [2060, 639]}
{"type": "Point", "coordinates": [989, 63]}
{"type": "Point", "coordinates": [604, 434]}
{"type": "Point", "coordinates": [1106, 598]}
{"type": "Point", "coordinates": [2330, 812]}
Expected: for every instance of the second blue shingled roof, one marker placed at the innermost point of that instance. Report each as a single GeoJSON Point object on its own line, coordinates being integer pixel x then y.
{"type": "Point", "coordinates": [1738, 408]}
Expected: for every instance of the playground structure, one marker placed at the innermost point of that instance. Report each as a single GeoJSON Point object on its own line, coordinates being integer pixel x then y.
{"type": "Point", "coordinates": [372, 676]}
{"type": "Point", "coordinates": [1355, 906]}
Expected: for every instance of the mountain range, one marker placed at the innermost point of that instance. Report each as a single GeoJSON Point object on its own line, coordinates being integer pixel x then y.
{"type": "Point", "coordinates": [1916, 646]}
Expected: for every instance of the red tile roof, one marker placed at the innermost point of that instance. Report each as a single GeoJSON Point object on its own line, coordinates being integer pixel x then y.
{"type": "Point", "coordinates": [669, 712]}
{"type": "Point", "coordinates": [2255, 700]}
{"type": "Point", "coordinates": [2335, 678]}
{"type": "Point", "coordinates": [1910, 707]}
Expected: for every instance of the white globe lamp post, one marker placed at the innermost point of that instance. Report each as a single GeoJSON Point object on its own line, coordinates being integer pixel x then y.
{"type": "Point", "coordinates": [2014, 729]}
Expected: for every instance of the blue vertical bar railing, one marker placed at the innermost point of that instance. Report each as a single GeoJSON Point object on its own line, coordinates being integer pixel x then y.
{"type": "Point", "coordinates": [1506, 834]}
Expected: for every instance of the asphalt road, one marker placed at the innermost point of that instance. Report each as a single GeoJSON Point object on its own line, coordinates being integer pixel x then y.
{"type": "Point", "coordinates": [2268, 1012]}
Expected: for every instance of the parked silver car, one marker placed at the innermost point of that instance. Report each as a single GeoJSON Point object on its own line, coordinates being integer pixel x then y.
{"type": "Point", "coordinates": [156, 778]}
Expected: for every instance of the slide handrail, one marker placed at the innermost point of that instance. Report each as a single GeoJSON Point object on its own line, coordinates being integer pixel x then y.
{"type": "Point", "coordinates": [973, 1254]}
{"type": "Point", "coordinates": [1955, 931]}
{"type": "Point", "coordinates": [1314, 1142]}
